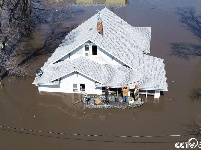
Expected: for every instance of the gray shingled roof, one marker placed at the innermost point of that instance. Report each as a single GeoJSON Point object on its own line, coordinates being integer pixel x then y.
{"type": "Point", "coordinates": [119, 39]}
{"type": "Point", "coordinates": [147, 76]}
{"type": "Point", "coordinates": [126, 43]}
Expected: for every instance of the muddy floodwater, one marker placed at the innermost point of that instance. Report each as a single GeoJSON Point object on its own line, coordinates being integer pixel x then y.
{"type": "Point", "coordinates": [30, 120]}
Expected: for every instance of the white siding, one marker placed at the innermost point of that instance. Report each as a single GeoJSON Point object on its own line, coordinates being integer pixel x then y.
{"type": "Point", "coordinates": [66, 85]}
{"type": "Point", "coordinates": [49, 88]}
{"type": "Point", "coordinates": [102, 57]}
{"type": "Point", "coordinates": [75, 54]}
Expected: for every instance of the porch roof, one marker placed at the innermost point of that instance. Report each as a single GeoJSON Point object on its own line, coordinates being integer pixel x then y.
{"type": "Point", "coordinates": [149, 75]}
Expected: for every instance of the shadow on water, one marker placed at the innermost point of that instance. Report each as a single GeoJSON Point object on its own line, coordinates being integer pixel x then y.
{"type": "Point", "coordinates": [185, 50]}
{"type": "Point", "coordinates": [193, 23]}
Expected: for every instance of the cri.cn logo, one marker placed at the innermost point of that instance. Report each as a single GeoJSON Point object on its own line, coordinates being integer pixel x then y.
{"type": "Point", "coordinates": [192, 143]}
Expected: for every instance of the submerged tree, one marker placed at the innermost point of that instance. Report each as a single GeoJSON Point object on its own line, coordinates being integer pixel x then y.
{"type": "Point", "coordinates": [15, 23]}
{"type": "Point", "coordinates": [196, 94]}
{"type": "Point", "coordinates": [19, 21]}
{"type": "Point", "coordinates": [194, 128]}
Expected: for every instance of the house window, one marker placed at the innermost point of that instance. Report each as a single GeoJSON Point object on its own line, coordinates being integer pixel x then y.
{"type": "Point", "coordinates": [86, 47]}
{"type": "Point", "coordinates": [75, 88]}
{"type": "Point", "coordinates": [86, 50]}
{"type": "Point", "coordinates": [82, 87]}
{"type": "Point", "coordinates": [94, 50]}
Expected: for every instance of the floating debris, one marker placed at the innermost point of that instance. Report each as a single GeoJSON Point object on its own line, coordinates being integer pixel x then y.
{"type": "Point", "coordinates": [113, 104]}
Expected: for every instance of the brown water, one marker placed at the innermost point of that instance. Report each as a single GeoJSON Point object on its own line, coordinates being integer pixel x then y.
{"type": "Point", "coordinates": [22, 106]}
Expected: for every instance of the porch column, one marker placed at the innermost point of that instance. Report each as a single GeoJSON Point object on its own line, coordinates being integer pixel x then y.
{"type": "Point", "coordinates": [117, 92]}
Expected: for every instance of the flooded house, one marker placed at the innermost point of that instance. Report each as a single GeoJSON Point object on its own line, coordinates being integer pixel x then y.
{"type": "Point", "coordinates": [103, 51]}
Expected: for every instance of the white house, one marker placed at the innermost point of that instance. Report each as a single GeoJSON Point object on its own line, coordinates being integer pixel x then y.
{"type": "Point", "coordinates": [103, 51]}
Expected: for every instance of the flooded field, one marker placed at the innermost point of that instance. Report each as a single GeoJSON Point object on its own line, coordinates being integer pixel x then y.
{"type": "Point", "coordinates": [33, 120]}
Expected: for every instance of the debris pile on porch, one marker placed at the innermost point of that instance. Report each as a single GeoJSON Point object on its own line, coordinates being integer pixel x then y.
{"type": "Point", "coordinates": [114, 102]}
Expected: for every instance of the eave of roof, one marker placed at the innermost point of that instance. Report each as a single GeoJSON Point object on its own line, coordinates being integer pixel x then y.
{"type": "Point", "coordinates": [149, 76]}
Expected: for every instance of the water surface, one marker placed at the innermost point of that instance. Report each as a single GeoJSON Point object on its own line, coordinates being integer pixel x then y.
{"type": "Point", "coordinates": [21, 105]}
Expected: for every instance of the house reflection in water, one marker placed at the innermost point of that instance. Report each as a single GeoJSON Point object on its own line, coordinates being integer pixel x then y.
{"type": "Point", "coordinates": [122, 2]}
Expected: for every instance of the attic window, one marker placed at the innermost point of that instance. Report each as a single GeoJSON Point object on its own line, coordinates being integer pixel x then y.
{"type": "Point", "coordinates": [94, 50]}
{"type": "Point", "coordinates": [86, 47]}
